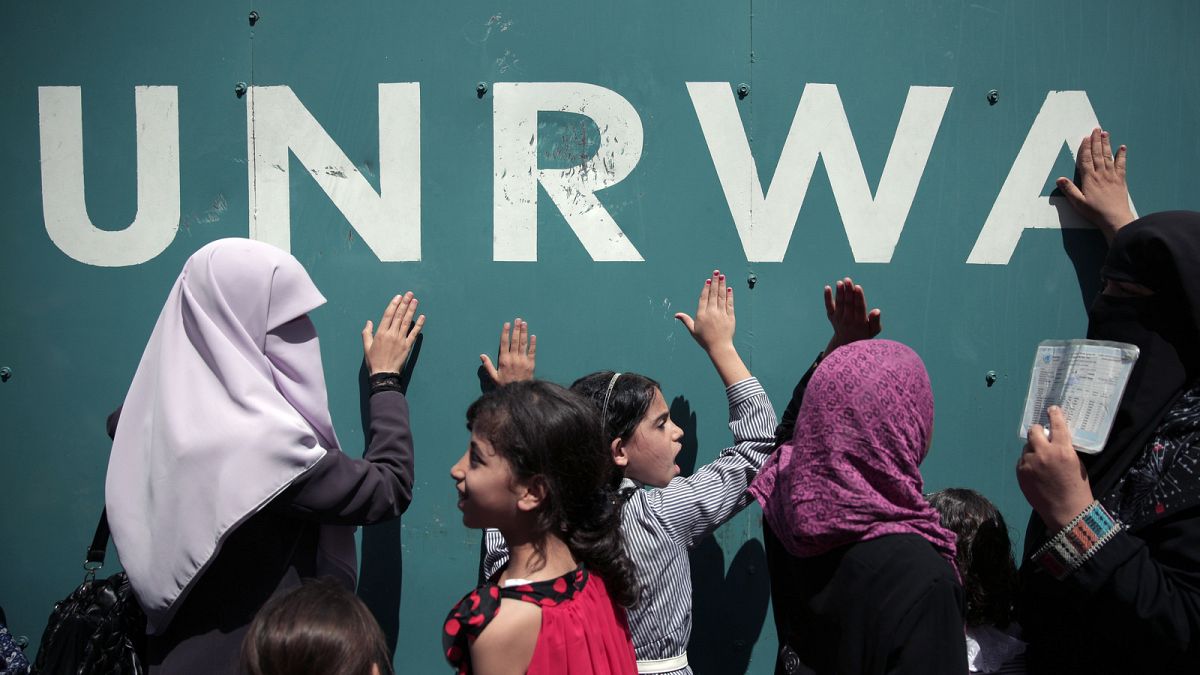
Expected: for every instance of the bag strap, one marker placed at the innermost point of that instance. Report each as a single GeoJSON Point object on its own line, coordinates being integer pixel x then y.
{"type": "Point", "coordinates": [96, 552]}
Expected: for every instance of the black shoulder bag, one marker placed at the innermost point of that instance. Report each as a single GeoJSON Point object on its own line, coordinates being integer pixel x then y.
{"type": "Point", "coordinates": [97, 630]}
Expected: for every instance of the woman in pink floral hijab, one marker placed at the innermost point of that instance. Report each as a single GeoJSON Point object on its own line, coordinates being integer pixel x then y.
{"type": "Point", "coordinates": [871, 571]}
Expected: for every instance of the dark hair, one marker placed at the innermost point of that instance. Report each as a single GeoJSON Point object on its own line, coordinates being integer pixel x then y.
{"type": "Point", "coordinates": [985, 557]}
{"type": "Point", "coordinates": [547, 431]}
{"type": "Point", "coordinates": [627, 403]}
{"type": "Point", "coordinates": [320, 628]}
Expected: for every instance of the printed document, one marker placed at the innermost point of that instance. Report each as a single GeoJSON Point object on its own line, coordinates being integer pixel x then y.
{"type": "Point", "coordinates": [1085, 378]}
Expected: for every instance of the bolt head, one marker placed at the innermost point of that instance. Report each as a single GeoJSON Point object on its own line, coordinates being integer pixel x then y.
{"type": "Point", "coordinates": [743, 90]}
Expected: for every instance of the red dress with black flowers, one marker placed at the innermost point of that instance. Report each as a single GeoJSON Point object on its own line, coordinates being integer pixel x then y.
{"type": "Point", "coordinates": [583, 631]}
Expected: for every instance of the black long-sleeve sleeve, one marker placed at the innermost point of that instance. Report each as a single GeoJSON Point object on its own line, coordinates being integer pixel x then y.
{"type": "Point", "coordinates": [1141, 588]}
{"type": "Point", "coordinates": [783, 592]}
{"type": "Point", "coordinates": [1161, 594]}
{"type": "Point", "coordinates": [787, 423]}
{"type": "Point", "coordinates": [342, 490]}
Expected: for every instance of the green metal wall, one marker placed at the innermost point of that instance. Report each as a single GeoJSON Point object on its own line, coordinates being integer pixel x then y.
{"type": "Point", "coordinates": [72, 330]}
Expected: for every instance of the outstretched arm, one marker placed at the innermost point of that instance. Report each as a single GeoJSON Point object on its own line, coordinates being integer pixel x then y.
{"type": "Point", "coordinates": [517, 357]}
{"type": "Point", "coordinates": [689, 508]}
{"type": "Point", "coordinates": [713, 329]}
{"type": "Point", "coordinates": [1102, 195]}
{"type": "Point", "coordinates": [341, 489]}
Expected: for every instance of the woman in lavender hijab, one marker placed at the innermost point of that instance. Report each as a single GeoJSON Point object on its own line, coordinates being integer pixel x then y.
{"type": "Point", "coordinates": [226, 482]}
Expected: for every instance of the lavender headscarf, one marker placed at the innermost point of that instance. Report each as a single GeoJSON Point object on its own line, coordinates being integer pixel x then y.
{"type": "Point", "coordinates": [850, 472]}
{"type": "Point", "coordinates": [227, 408]}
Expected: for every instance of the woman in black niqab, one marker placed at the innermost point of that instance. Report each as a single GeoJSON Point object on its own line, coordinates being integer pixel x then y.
{"type": "Point", "coordinates": [1160, 253]}
{"type": "Point", "coordinates": [1134, 605]}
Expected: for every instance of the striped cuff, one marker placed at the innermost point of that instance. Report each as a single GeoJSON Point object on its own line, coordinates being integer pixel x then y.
{"type": "Point", "coordinates": [1078, 541]}
{"type": "Point", "coordinates": [740, 392]}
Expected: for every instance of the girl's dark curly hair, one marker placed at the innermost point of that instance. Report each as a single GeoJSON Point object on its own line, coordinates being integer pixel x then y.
{"type": "Point", "coordinates": [547, 431]}
{"type": "Point", "coordinates": [985, 557]}
{"type": "Point", "coordinates": [627, 404]}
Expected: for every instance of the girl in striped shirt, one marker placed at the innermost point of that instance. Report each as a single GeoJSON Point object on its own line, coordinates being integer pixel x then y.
{"type": "Point", "coordinates": [663, 514]}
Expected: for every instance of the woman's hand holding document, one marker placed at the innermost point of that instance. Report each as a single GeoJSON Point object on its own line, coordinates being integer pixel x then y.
{"type": "Point", "coordinates": [1085, 378]}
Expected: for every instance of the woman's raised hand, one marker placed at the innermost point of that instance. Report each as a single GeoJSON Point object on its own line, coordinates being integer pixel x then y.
{"type": "Point", "coordinates": [846, 308]}
{"type": "Point", "coordinates": [1102, 195]}
{"type": "Point", "coordinates": [713, 328]}
{"type": "Point", "coordinates": [387, 349]}
{"type": "Point", "coordinates": [517, 357]}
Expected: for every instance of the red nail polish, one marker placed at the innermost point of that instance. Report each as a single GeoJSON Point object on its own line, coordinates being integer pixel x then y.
{"type": "Point", "coordinates": [722, 277]}
{"type": "Point", "coordinates": [707, 282]}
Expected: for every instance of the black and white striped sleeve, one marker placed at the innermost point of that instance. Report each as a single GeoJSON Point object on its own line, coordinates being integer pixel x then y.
{"type": "Point", "coordinates": [690, 508]}
{"type": "Point", "coordinates": [495, 554]}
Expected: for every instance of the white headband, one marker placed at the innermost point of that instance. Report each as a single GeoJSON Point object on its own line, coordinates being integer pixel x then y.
{"type": "Point", "coordinates": [607, 394]}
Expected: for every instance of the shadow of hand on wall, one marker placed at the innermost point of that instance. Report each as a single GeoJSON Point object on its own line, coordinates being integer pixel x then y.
{"type": "Point", "coordinates": [728, 609]}
{"type": "Point", "coordinates": [684, 418]}
{"type": "Point", "coordinates": [1085, 247]}
{"type": "Point", "coordinates": [381, 570]}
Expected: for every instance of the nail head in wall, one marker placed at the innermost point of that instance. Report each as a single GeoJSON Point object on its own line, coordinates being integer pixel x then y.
{"type": "Point", "coordinates": [743, 90]}
{"type": "Point", "coordinates": [481, 89]}
{"type": "Point", "coordinates": [993, 97]}
{"type": "Point", "coordinates": [752, 280]}
{"type": "Point", "coordinates": [5, 374]}
{"type": "Point", "coordinates": [239, 89]}
{"type": "Point", "coordinates": [990, 378]}
{"type": "Point", "coordinates": [253, 17]}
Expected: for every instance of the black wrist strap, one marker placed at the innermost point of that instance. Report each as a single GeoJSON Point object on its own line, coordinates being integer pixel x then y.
{"type": "Point", "coordinates": [384, 382]}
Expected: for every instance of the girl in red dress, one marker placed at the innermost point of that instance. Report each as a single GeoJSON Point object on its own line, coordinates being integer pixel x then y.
{"type": "Point", "coordinates": [537, 470]}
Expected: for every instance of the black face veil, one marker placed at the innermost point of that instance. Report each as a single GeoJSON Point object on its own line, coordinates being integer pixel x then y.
{"type": "Point", "coordinates": [1162, 253]}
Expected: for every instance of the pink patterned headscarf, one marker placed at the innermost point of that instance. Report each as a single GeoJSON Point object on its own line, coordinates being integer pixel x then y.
{"type": "Point", "coordinates": [850, 472]}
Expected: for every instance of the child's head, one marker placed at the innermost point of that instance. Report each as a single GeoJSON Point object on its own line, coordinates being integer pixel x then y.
{"type": "Point", "coordinates": [636, 424]}
{"type": "Point", "coordinates": [536, 464]}
{"type": "Point", "coordinates": [984, 554]}
{"type": "Point", "coordinates": [320, 628]}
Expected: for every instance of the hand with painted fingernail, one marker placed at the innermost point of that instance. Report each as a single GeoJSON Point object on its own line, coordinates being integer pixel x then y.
{"type": "Point", "coordinates": [713, 328]}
